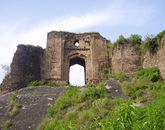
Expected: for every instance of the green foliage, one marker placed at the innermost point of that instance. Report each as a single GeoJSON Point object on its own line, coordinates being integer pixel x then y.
{"type": "Point", "coordinates": [12, 100]}
{"type": "Point", "coordinates": [42, 83]}
{"type": "Point", "coordinates": [117, 76]}
{"type": "Point", "coordinates": [135, 39]}
{"type": "Point", "coordinates": [121, 40]}
{"type": "Point", "coordinates": [128, 117]}
{"type": "Point", "coordinates": [37, 83]}
{"type": "Point", "coordinates": [160, 36]}
{"type": "Point", "coordinates": [69, 98]}
{"type": "Point", "coordinates": [136, 88]}
{"type": "Point", "coordinates": [13, 96]}
{"type": "Point", "coordinates": [151, 44]}
{"type": "Point", "coordinates": [152, 74]}
{"type": "Point", "coordinates": [90, 108]}
{"type": "Point", "coordinates": [15, 110]}
{"type": "Point", "coordinates": [7, 124]}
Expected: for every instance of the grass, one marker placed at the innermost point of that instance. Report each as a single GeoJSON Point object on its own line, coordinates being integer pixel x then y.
{"type": "Point", "coordinates": [92, 109]}
{"type": "Point", "coordinates": [151, 74]}
{"type": "Point", "coordinates": [15, 109]}
{"type": "Point", "coordinates": [7, 124]}
{"type": "Point", "coordinates": [117, 76]}
{"type": "Point", "coordinates": [12, 100]}
{"type": "Point", "coordinates": [145, 81]}
{"type": "Point", "coordinates": [42, 83]}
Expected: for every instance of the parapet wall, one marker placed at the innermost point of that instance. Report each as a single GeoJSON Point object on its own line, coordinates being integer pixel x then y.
{"type": "Point", "coordinates": [25, 67]}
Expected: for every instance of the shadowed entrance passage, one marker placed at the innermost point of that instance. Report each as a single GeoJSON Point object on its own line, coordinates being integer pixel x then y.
{"type": "Point", "coordinates": [77, 72]}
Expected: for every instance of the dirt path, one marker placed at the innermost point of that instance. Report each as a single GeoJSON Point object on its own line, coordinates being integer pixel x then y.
{"type": "Point", "coordinates": [34, 103]}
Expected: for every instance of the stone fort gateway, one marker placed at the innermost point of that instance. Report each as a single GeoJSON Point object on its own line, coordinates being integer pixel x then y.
{"type": "Point", "coordinates": [65, 49]}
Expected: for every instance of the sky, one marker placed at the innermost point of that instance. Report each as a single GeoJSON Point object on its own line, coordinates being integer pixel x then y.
{"type": "Point", "coordinates": [28, 21]}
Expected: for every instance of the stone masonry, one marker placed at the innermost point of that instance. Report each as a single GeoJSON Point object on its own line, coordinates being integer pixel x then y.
{"type": "Point", "coordinates": [65, 49]}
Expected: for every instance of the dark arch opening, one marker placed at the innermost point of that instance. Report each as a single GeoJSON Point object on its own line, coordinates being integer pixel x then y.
{"type": "Point", "coordinates": [77, 71]}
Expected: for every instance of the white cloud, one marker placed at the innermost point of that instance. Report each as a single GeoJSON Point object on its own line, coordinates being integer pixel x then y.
{"type": "Point", "coordinates": [115, 14]}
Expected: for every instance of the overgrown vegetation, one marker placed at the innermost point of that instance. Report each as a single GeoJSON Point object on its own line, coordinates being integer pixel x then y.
{"type": "Point", "coordinates": [42, 83]}
{"type": "Point", "coordinates": [13, 106]}
{"type": "Point", "coordinates": [90, 107]}
{"type": "Point", "coordinates": [151, 43]}
{"type": "Point", "coordinates": [144, 84]}
{"type": "Point", "coordinates": [13, 110]}
{"type": "Point", "coordinates": [7, 124]}
{"type": "Point", "coordinates": [151, 74]}
{"type": "Point", "coordinates": [134, 39]}
{"type": "Point", "coordinates": [117, 76]}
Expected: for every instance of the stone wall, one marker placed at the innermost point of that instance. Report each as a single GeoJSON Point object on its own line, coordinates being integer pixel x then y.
{"type": "Point", "coordinates": [156, 60]}
{"type": "Point", "coordinates": [25, 67]}
{"type": "Point", "coordinates": [52, 64]}
{"type": "Point", "coordinates": [61, 50]}
{"type": "Point", "coordinates": [125, 58]}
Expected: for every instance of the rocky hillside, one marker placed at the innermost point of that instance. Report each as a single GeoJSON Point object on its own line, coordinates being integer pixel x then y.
{"type": "Point", "coordinates": [26, 108]}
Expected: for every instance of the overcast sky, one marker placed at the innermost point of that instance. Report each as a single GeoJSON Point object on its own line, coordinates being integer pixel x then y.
{"type": "Point", "coordinates": [28, 21]}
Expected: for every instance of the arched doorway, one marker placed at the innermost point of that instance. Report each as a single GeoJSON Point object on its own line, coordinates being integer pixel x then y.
{"type": "Point", "coordinates": [77, 71]}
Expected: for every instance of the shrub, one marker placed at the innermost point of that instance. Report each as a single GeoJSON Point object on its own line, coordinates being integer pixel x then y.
{"type": "Point", "coordinates": [152, 74]}
{"type": "Point", "coordinates": [160, 36]}
{"type": "Point", "coordinates": [121, 40]}
{"type": "Point", "coordinates": [135, 88]}
{"type": "Point", "coordinates": [135, 39]}
{"type": "Point", "coordinates": [151, 44]}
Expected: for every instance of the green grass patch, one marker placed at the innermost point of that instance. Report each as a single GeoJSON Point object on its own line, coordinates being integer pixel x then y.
{"type": "Point", "coordinates": [42, 83]}
{"type": "Point", "coordinates": [15, 109]}
{"type": "Point", "coordinates": [117, 76]}
{"type": "Point", "coordinates": [7, 124]}
{"type": "Point", "coordinates": [152, 74]}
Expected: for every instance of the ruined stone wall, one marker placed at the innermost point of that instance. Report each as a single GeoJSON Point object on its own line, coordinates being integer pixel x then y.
{"type": "Point", "coordinates": [125, 58]}
{"type": "Point", "coordinates": [25, 67]}
{"type": "Point", "coordinates": [61, 50]}
{"type": "Point", "coordinates": [52, 64]}
{"type": "Point", "coordinates": [156, 60]}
